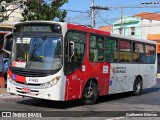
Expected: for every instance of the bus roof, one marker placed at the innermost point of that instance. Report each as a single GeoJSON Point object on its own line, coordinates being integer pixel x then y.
{"type": "Point", "coordinates": [88, 29]}
{"type": "Point", "coordinates": [39, 21]}
{"type": "Point", "coordinates": [133, 38]}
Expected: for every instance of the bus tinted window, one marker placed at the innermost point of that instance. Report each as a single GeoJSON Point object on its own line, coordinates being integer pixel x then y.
{"type": "Point", "coordinates": [96, 48]}
{"type": "Point", "coordinates": [75, 50]}
{"type": "Point", "coordinates": [138, 53]}
{"type": "Point", "coordinates": [125, 51]}
{"type": "Point", "coordinates": [150, 54]}
{"type": "Point", "coordinates": [111, 54]}
{"type": "Point", "coordinates": [125, 46]}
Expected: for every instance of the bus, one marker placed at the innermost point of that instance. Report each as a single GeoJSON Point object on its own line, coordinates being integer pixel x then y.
{"type": "Point", "coordinates": [62, 61]}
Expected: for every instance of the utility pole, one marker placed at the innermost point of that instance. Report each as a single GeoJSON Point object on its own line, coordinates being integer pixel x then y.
{"type": "Point", "coordinates": [96, 7]}
{"type": "Point", "coordinates": [93, 22]}
{"type": "Point", "coordinates": [121, 29]}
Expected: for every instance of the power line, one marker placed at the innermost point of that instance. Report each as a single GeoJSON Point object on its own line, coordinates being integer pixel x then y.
{"type": "Point", "coordinates": [75, 11]}
{"type": "Point", "coordinates": [114, 19]}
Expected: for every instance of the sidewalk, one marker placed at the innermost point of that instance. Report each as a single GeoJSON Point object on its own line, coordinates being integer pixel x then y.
{"type": "Point", "coordinates": [3, 91]}
{"type": "Point", "coordinates": [5, 95]}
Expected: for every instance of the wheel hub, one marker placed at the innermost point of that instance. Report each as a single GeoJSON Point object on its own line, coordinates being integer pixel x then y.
{"type": "Point", "coordinates": [138, 87]}
{"type": "Point", "coordinates": [89, 93]}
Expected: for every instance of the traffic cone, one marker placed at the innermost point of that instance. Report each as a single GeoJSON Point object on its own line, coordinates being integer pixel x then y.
{"type": "Point", "coordinates": [2, 83]}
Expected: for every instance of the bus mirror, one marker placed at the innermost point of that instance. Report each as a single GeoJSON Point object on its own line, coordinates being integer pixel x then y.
{"type": "Point", "coordinates": [71, 49]}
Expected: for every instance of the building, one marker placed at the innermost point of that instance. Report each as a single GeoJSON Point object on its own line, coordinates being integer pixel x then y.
{"type": "Point", "coordinates": [128, 26]}
{"type": "Point", "coordinates": [139, 25]}
{"type": "Point", "coordinates": [16, 15]}
{"type": "Point", "coordinates": [106, 28]}
{"type": "Point", "coordinates": [150, 23]}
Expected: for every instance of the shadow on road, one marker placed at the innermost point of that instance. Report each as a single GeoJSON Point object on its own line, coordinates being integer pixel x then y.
{"type": "Point", "coordinates": [74, 103]}
{"type": "Point", "coordinates": [50, 104]}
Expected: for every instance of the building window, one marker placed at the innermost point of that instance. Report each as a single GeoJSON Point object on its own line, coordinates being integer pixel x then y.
{"type": "Point", "coordinates": [119, 31]}
{"type": "Point", "coordinates": [132, 30]}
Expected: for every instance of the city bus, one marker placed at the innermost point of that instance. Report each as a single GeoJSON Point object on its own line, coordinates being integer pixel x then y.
{"type": "Point", "coordinates": [62, 61]}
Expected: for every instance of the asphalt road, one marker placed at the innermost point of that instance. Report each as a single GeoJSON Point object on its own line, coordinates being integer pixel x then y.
{"type": "Point", "coordinates": [112, 107]}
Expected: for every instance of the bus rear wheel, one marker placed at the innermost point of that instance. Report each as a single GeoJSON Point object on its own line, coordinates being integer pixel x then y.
{"type": "Point", "coordinates": [90, 93]}
{"type": "Point", "coordinates": [137, 86]}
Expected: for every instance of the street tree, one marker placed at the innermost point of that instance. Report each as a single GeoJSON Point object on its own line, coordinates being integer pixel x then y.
{"type": "Point", "coordinates": [41, 10]}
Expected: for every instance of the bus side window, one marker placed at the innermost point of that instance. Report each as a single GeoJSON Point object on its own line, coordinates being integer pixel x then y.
{"type": "Point", "coordinates": [125, 51]}
{"type": "Point", "coordinates": [96, 48]}
{"type": "Point", "coordinates": [138, 52]}
{"type": "Point", "coordinates": [150, 54]}
{"type": "Point", "coordinates": [111, 54]}
{"type": "Point", "coordinates": [75, 50]}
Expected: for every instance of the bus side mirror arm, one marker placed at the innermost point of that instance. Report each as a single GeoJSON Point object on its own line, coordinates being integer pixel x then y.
{"type": "Point", "coordinates": [8, 52]}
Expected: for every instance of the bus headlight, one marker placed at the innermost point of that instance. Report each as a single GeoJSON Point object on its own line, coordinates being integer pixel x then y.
{"type": "Point", "coordinates": [51, 83]}
{"type": "Point", "coordinates": [10, 80]}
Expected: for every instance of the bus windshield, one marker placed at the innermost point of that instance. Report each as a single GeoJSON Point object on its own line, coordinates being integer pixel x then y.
{"type": "Point", "coordinates": [37, 53]}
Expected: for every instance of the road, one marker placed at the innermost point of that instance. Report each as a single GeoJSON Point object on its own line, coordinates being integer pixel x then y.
{"type": "Point", "coordinates": [112, 107]}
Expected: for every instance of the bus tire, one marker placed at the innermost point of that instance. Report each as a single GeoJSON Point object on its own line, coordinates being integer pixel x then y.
{"type": "Point", "coordinates": [90, 93]}
{"type": "Point", "coordinates": [137, 86]}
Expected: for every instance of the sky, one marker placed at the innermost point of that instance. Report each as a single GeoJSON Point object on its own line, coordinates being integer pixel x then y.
{"type": "Point", "coordinates": [79, 12]}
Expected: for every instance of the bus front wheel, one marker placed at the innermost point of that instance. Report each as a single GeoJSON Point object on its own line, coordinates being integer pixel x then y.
{"type": "Point", "coordinates": [137, 86]}
{"type": "Point", "coordinates": [90, 93]}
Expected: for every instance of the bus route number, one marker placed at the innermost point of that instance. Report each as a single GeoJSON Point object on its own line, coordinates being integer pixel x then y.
{"type": "Point", "coordinates": [33, 80]}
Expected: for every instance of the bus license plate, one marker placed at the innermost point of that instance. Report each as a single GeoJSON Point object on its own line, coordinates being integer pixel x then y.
{"type": "Point", "coordinates": [26, 90]}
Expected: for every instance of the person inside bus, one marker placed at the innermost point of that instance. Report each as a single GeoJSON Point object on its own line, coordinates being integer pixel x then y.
{"type": "Point", "coordinates": [76, 56]}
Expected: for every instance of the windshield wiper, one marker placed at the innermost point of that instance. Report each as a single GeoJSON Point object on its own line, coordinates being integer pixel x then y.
{"type": "Point", "coordinates": [44, 37]}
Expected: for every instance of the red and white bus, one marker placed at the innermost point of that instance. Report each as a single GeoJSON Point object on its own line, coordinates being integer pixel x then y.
{"type": "Point", "coordinates": [62, 61]}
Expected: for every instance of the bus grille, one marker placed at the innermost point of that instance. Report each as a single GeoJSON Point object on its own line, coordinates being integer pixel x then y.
{"type": "Point", "coordinates": [27, 73]}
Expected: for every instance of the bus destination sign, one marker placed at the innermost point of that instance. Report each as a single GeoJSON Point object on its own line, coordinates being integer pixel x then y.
{"type": "Point", "coordinates": [36, 29]}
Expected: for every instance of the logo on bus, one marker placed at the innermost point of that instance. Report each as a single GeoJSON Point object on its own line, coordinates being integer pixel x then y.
{"type": "Point", "coordinates": [14, 76]}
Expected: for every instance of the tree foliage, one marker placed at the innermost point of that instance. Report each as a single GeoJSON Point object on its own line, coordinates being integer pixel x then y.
{"type": "Point", "coordinates": [40, 10]}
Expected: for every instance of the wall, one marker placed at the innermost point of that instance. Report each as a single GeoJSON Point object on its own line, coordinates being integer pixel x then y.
{"type": "Point", "coordinates": [150, 27]}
